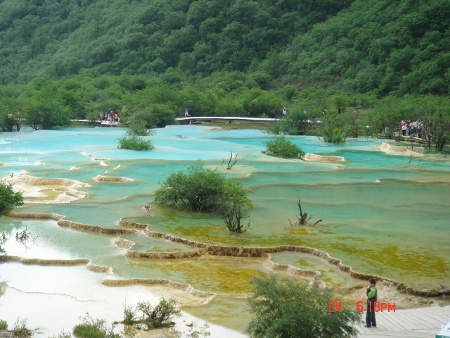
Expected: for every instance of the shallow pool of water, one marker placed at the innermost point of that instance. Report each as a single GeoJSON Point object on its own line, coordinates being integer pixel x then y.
{"type": "Point", "coordinates": [381, 214]}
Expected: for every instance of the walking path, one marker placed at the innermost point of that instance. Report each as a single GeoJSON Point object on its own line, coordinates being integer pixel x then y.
{"type": "Point", "coordinates": [418, 323]}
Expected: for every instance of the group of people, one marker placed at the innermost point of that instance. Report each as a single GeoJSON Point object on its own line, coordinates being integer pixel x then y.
{"type": "Point", "coordinates": [111, 117]}
{"type": "Point", "coordinates": [411, 128]}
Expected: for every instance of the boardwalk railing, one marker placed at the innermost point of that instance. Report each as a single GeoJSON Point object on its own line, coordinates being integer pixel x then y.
{"type": "Point", "coordinates": [98, 123]}
{"type": "Point", "coordinates": [229, 119]}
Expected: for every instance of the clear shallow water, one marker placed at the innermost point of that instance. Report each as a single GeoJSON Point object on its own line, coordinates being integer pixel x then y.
{"type": "Point", "coordinates": [382, 214]}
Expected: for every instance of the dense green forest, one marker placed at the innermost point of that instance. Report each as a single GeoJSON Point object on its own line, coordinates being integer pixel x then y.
{"type": "Point", "coordinates": [63, 59]}
{"type": "Point", "coordinates": [388, 46]}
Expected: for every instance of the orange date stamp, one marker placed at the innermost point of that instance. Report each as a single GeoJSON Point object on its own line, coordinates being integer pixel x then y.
{"type": "Point", "coordinates": [375, 306]}
{"type": "Point", "coordinates": [336, 306]}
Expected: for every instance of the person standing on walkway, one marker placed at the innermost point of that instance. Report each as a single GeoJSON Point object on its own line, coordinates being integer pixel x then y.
{"type": "Point", "coordinates": [371, 293]}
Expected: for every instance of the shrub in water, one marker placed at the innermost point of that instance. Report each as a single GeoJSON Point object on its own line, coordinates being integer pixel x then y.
{"type": "Point", "coordinates": [93, 328]}
{"type": "Point", "coordinates": [283, 147]}
{"type": "Point", "coordinates": [134, 142]}
{"type": "Point", "coordinates": [21, 330]}
{"type": "Point", "coordinates": [88, 331]}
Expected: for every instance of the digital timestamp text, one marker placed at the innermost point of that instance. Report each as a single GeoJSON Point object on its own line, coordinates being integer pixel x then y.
{"type": "Point", "coordinates": [335, 306]}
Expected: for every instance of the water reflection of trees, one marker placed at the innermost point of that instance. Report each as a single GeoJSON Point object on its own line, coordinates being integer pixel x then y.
{"type": "Point", "coordinates": [3, 287]}
{"type": "Point", "coordinates": [23, 237]}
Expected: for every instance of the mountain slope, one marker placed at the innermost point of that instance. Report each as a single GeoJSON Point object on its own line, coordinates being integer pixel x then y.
{"type": "Point", "coordinates": [385, 46]}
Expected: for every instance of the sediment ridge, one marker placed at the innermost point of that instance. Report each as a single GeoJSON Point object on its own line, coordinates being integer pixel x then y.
{"type": "Point", "coordinates": [40, 261]}
{"type": "Point", "coordinates": [320, 158]}
{"type": "Point", "coordinates": [292, 270]}
{"type": "Point", "coordinates": [101, 178]}
{"type": "Point", "coordinates": [22, 177]}
{"type": "Point", "coordinates": [400, 150]}
{"type": "Point", "coordinates": [206, 249]}
{"type": "Point", "coordinates": [59, 262]}
{"type": "Point", "coordinates": [71, 224]}
{"type": "Point", "coordinates": [30, 215]}
{"type": "Point", "coordinates": [55, 190]}
{"type": "Point", "coordinates": [172, 238]}
{"type": "Point", "coordinates": [124, 243]}
{"type": "Point", "coordinates": [98, 268]}
{"type": "Point", "coordinates": [94, 228]}
{"type": "Point", "coordinates": [165, 255]}
{"type": "Point", "coordinates": [150, 281]}
{"type": "Point", "coordinates": [125, 223]}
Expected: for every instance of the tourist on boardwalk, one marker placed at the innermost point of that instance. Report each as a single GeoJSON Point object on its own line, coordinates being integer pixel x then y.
{"type": "Point", "coordinates": [403, 125]}
{"type": "Point", "coordinates": [371, 293]}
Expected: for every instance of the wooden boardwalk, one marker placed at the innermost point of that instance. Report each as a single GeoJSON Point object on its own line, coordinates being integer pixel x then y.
{"type": "Point", "coordinates": [419, 323]}
{"type": "Point", "coordinates": [223, 119]}
{"type": "Point", "coordinates": [98, 123]}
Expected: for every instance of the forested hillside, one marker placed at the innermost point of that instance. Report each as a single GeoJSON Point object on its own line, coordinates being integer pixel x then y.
{"type": "Point", "coordinates": [400, 46]}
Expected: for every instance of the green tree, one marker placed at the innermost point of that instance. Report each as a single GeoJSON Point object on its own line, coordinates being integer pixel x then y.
{"type": "Point", "coordinates": [435, 121]}
{"type": "Point", "coordinates": [341, 103]}
{"type": "Point", "coordinates": [287, 307]}
{"type": "Point", "coordinates": [10, 121]}
{"type": "Point", "coordinates": [289, 92]}
{"type": "Point", "coordinates": [159, 315]}
{"type": "Point", "coordinates": [199, 189]}
{"type": "Point", "coordinates": [152, 116]}
{"type": "Point", "coordinates": [134, 142]}
{"type": "Point", "coordinates": [203, 190]}
{"type": "Point", "coordinates": [9, 199]}
{"type": "Point", "coordinates": [386, 117]}
{"type": "Point", "coordinates": [45, 108]}
{"type": "Point", "coordinates": [355, 123]}
{"type": "Point", "coordinates": [234, 205]}
{"type": "Point", "coordinates": [262, 103]}
{"type": "Point", "coordinates": [334, 128]}
{"type": "Point", "coordinates": [297, 122]}
{"type": "Point", "coordinates": [283, 147]}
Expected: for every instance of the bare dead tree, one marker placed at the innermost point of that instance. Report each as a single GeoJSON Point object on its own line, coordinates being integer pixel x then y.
{"type": "Point", "coordinates": [230, 165]}
{"type": "Point", "coordinates": [233, 218]}
{"type": "Point", "coordinates": [3, 238]}
{"type": "Point", "coordinates": [26, 238]}
{"type": "Point", "coordinates": [303, 217]}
